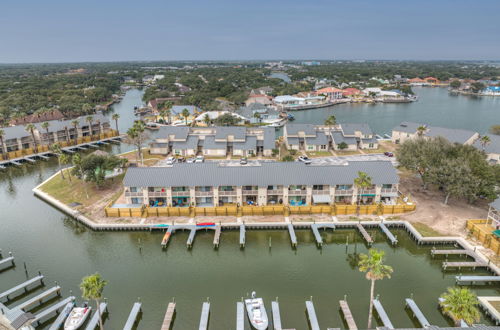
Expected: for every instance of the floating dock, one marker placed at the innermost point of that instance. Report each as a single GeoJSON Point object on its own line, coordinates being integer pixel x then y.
{"type": "Point", "coordinates": [39, 298]}
{"type": "Point", "coordinates": [382, 314]}
{"type": "Point", "coordinates": [218, 230]}
{"type": "Point", "coordinates": [58, 323]}
{"type": "Point", "coordinates": [21, 286]}
{"type": "Point", "coordinates": [275, 307]}
{"type": "Point", "coordinates": [242, 235]}
{"type": "Point", "coordinates": [293, 237]}
{"type": "Point", "coordinates": [94, 321]}
{"type": "Point", "coordinates": [240, 316]}
{"type": "Point", "coordinates": [28, 159]}
{"type": "Point", "coordinates": [346, 311]}
{"type": "Point", "coordinates": [388, 233]}
{"type": "Point", "coordinates": [418, 313]}
{"type": "Point", "coordinates": [190, 239]}
{"type": "Point", "coordinates": [463, 264]}
{"type": "Point", "coordinates": [132, 317]}
{"type": "Point", "coordinates": [477, 279]}
{"type": "Point", "coordinates": [5, 261]}
{"type": "Point", "coordinates": [311, 313]}
{"type": "Point", "coordinates": [365, 234]}
{"type": "Point", "coordinates": [205, 314]}
{"type": "Point", "coordinates": [485, 303]}
{"type": "Point", "coordinates": [169, 317]}
{"type": "Point", "coordinates": [52, 309]}
{"type": "Point", "coordinates": [315, 227]}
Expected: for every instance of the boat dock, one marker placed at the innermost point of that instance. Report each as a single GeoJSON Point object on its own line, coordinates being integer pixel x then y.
{"type": "Point", "coordinates": [240, 316]}
{"type": "Point", "coordinates": [21, 286]}
{"type": "Point", "coordinates": [346, 311]}
{"type": "Point", "coordinates": [315, 227]}
{"type": "Point", "coordinates": [293, 237]}
{"type": "Point", "coordinates": [485, 303]}
{"type": "Point", "coordinates": [418, 313]}
{"type": "Point", "coordinates": [39, 298]}
{"type": "Point", "coordinates": [218, 230]}
{"type": "Point", "coordinates": [382, 314]}
{"type": "Point", "coordinates": [311, 313]}
{"type": "Point", "coordinates": [365, 234]}
{"type": "Point", "coordinates": [190, 240]}
{"type": "Point", "coordinates": [94, 321]}
{"type": "Point", "coordinates": [477, 279]}
{"type": "Point", "coordinates": [166, 237]}
{"type": "Point", "coordinates": [5, 261]}
{"type": "Point", "coordinates": [275, 307]}
{"type": "Point", "coordinates": [242, 235]}
{"type": "Point", "coordinates": [52, 309]}
{"type": "Point", "coordinates": [463, 264]}
{"type": "Point", "coordinates": [205, 314]}
{"type": "Point", "coordinates": [58, 323]}
{"type": "Point", "coordinates": [446, 253]}
{"type": "Point", "coordinates": [388, 233]}
{"type": "Point", "coordinates": [132, 317]}
{"type": "Point", "coordinates": [169, 317]}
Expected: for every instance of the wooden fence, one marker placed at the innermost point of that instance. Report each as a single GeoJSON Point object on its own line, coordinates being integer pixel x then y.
{"type": "Point", "coordinates": [483, 231]}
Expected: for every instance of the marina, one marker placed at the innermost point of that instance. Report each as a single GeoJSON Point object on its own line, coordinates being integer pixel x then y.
{"type": "Point", "coordinates": [133, 316]}
{"type": "Point", "coordinates": [94, 321]}
{"type": "Point", "coordinates": [377, 305]}
{"type": "Point", "coordinates": [346, 312]}
{"type": "Point", "coordinates": [311, 315]}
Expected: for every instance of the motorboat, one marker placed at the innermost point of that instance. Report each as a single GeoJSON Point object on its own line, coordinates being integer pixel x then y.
{"type": "Point", "coordinates": [77, 317]}
{"type": "Point", "coordinates": [256, 312]}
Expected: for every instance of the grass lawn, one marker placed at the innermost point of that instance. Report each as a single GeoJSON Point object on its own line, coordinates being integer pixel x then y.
{"type": "Point", "coordinates": [318, 153]}
{"type": "Point", "coordinates": [149, 159]}
{"type": "Point", "coordinates": [74, 192]}
{"type": "Point", "coordinates": [347, 152]}
{"type": "Point", "coordinates": [425, 230]}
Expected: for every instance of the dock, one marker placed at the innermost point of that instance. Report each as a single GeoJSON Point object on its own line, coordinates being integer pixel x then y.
{"type": "Point", "coordinates": [166, 237]}
{"type": "Point", "coordinates": [58, 323]}
{"type": "Point", "coordinates": [132, 317]}
{"type": "Point", "coordinates": [52, 309]}
{"type": "Point", "coordinates": [15, 162]}
{"type": "Point", "coordinates": [446, 253]}
{"type": "Point", "coordinates": [240, 316]}
{"type": "Point", "coordinates": [317, 235]}
{"type": "Point", "coordinates": [388, 233]}
{"type": "Point", "coordinates": [44, 157]}
{"type": "Point", "coordinates": [346, 311]}
{"type": "Point", "coordinates": [365, 234]}
{"type": "Point", "coordinates": [293, 237]}
{"type": "Point", "coordinates": [39, 298]}
{"type": "Point", "coordinates": [28, 159]}
{"type": "Point", "coordinates": [418, 313]}
{"type": "Point", "coordinates": [311, 313]}
{"type": "Point", "coordinates": [218, 230]}
{"type": "Point", "coordinates": [205, 314]}
{"type": "Point", "coordinates": [242, 235]}
{"type": "Point", "coordinates": [382, 314]}
{"type": "Point", "coordinates": [275, 307]}
{"type": "Point", "coordinates": [485, 303]}
{"type": "Point", "coordinates": [21, 286]}
{"type": "Point", "coordinates": [463, 264]}
{"type": "Point", "coordinates": [477, 279]}
{"type": "Point", "coordinates": [191, 236]}
{"type": "Point", "coordinates": [5, 261]}
{"type": "Point", "coordinates": [94, 321]}
{"type": "Point", "coordinates": [169, 317]}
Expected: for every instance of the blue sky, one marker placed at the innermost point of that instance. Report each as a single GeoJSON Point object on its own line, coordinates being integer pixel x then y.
{"type": "Point", "coordinates": [110, 30]}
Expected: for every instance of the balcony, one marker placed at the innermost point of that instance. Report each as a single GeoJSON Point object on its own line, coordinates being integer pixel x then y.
{"type": "Point", "coordinates": [247, 192]}
{"type": "Point", "coordinates": [157, 194]}
{"type": "Point", "coordinates": [321, 192]}
{"type": "Point", "coordinates": [367, 191]}
{"type": "Point", "coordinates": [344, 192]}
{"type": "Point", "coordinates": [202, 193]}
{"type": "Point", "coordinates": [227, 193]}
{"type": "Point", "coordinates": [298, 192]}
{"type": "Point", "coordinates": [133, 194]}
{"type": "Point", "coordinates": [389, 191]}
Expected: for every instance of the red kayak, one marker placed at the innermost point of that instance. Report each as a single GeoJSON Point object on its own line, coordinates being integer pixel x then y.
{"type": "Point", "coordinates": [206, 224]}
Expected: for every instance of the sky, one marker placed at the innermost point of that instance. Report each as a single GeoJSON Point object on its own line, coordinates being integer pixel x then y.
{"type": "Point", "coordinates": [144, 30]}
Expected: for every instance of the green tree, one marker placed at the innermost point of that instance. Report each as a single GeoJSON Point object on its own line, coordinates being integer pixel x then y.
{"type": "Point", "coordinates": [362, 182]}
{"type": "Point", "coordinates": [76, 124]}
{"type": "Point", "coordinates": [86, 108]}
{"type": "Point", "coordinates": [4, 151]}
{"type": "Point", "coordinates": [90, 120]}
{"type": "Point", "coordinates": [227, 119]}
{"type": "Point", "coordinates": [31, 129]}
{"type": "Point", "coordinates": [115, 117]}
{"type": "Point", "coordinates": [476, 87]}
{"type": "Point", "coordinates": [257, 116]}
{"type": "Point", "coordinates": [76, 160]}
{"type": "Point", "coordinates": [331, 121]}
{"type": "Point", "coordinates": [207, 120]}
{"type": "Point", "coordinates": [136, 135]}
{"type": "Point", "coordinates": [92, 287]}
{"type": "Point", "coordinates": [56, 149]}
{"type": "Point", "coordinates": [373, 265]}
{"type": "Point", "coordinates": [455, 84]}
{"type": "Point", "coordinates": [45, 125]}
{"type": "Point", "coordinates": [421, 130]}
{"type": "Point", "coordinates": [460, 304]}
{"type": "Point", "coordinates": [185, 113]}
{"type": "Point", "coordinates": [342, 145]}
{"type": "Point", "coordinates": [65, 159]}
{"type": "Point", "coordinates": [484, 141]}
{"type": "Point", "coordinates": [287, 158]}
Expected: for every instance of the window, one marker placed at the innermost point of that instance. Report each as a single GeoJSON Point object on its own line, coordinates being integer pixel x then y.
{"type": "Point", "coordinates": [323, 147]}
{"type": "Point", "coordinates": [370, 145]}
{"type": "Point", "coordinates": [344, 187]}
{"type": "Point", "coordinates": [133, 189]}
{"type": "Point", "coordinates": [387, 186]}
{"type": "Point", "coordinates": [317, 187]}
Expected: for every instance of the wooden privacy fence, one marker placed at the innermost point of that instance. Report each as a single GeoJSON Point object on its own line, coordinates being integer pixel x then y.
{"type": "Point", "coordinates": [124, 211]}
{"type": "Point", "coordinates": [483, 231]}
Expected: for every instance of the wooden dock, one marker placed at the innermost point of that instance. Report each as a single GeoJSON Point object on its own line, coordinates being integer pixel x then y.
{"type": "Point", "coordinates": [382, 314]}
{"type": "Point", "coordinates": [346, 311]}
{"type": "Point", "coordinates": [275, 307]}
{"type": "Point", "coordinates": [293, 237]}
{"type": "Point", "coordinates": [28, 159]}
{"type": "Point", "coordinates": [39, 298]}
{"type": "Point", "coordinates": [166, 237]}
{"type": "Point", "coordinates": [418, 313]}
{"type": "Point", "coordinates": [169, 317]}
{"type": "Point", "coordinates": [5, 261]}
{"type": "Point", "coordinates": [218, 230]}
{"type": "Point", "coordinates": [242, 235]}
{"type": "Point", "coordinates": [94, 321]}
{"type": "Point", "coordinates": [463, 264]}
{"type": "Point", "coordinates": [388, 233]}
{"type": "Point", "coordinates": [240, 316]}
{"type": "Point", "coordinates": [52, 309]}
{"type": "Point", "coordinates": [477, 279]}
{"type": "Point", "coordinates": [132, 317]}
{"type": "Point", "coordinates": [58, 323]}
{"type": "Point", "coordinates": [365, 234]}
{"type": "Point", "coordinates": [446, 253]}
{"type": "Point", "coordinates": [21, 286]}
{"type": "Point", "coordinates": [205, 314]}
{"type": "Point", "coordinates": [311, 313]}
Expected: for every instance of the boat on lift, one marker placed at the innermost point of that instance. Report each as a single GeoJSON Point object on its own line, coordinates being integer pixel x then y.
{"type": "Point", "coordinates": [257, 312]}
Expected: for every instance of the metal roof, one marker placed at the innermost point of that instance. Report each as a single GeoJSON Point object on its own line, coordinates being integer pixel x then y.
{"type": "Point", "coordinates": [209, 143]}
{"type": "Point", "coordinates": [238, 132]}
{"type": "Point", "coordinates": [60, 125]}
{"type": "Point", "coordinates": [190, 143]}
{"type": "Point", "coordinates": [15, 132]}
{"type": "Point", "coordinates": [350, 129]}
{"type": "Point", "coordinates": [179, 132]}
{"type": "Point", "coordinates": [338, 138]}
{"type": "Point", "coordinates": [294, 129]}
{"type": "Point", "coordinates": [320, 139]}
{"type": "Point", "coordinates": [273, 173]}
{"type": "Point", "coordinates": [269, 138]}
{"type": "Point", "coordinates": [249, 144]}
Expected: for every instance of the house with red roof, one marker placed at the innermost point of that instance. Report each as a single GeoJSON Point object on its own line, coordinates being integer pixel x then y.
{"type": "Point", "coordinates": [350, 92]}
{"type": "Point", "coordinates": [331, 93]}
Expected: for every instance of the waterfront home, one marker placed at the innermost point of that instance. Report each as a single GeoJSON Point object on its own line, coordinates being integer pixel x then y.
{"type": "Point", "coordinates": [177, 110]}
{"type": "Point", "coordinates": [492, 149]}
{"type": "Point", "coordinates": [258, 98]}
{"type": "Point", "coordinates": [265, 114]}
{"type": "Point", "coordinates": [494, 213]}
{"type": "Point", "coordinates": [410, 130]}
{"type": "Point", "coordinates": [289, 100]}
{"type": "Point", "coordinates": [155, 103]}
{"type": "Point", "coordinates": [331, 93]}
{"type": "Point", "coordinates": [213, 115]}
{"type": "Point", "coordinates": [310, 137]}
{"type": "Point", "coordinates": [418, 82]}
{"type": "Point", "coordinates": [214, 141]}
{"type": "Point", "coordinates": [266, 90]}
{"type": "Point", "coordinates": [37, 117]}
{"type": "Point", "coordinates": [351, 92]}
{"type": "Point", "coordinates": [491, 91]}
{"type": "Point", "coordinates": [286, 183]}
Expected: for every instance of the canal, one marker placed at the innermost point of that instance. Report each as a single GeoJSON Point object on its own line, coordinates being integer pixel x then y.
{"type": "Point", "coordinates": [135, 265]}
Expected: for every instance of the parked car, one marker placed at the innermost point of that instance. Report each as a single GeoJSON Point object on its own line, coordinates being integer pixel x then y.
{"type": "Point", "coordinates": [304, 159]}
{"type": "Point", "coordinates": [181, 160]}
{"type": "Point", "coordinates": [243, 161]}
{"type": "Point", "coordinates": [389, 154]}
{"type": "Point", "coordinates": [170, 161]}
{"type": "Point", "coordinates": [190, 160]}
{"type": "Point", "coordinates": [199, 159]}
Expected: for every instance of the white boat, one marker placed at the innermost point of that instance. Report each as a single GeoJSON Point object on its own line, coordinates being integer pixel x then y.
{"type": "Point", "coordinates": [77, 317]}
{"type": "Point", "coordinates": [274, 122]}
{"type": "Point", "coordinates": [257, 312]}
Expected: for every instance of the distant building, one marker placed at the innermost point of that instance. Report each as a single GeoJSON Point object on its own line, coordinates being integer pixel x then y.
{"type": "Point", "coordinates": [418, 82]}
{"type": "Point", "coordinates": [266, 90]}
{"type": "Point", "coordinates": [54, 114]}
{"type": "Point", "coordinates": [310, 63]}
{"type": "Point", "coordinates": [265, 113]}
{"type": "Point", "coordinates": [409, 130]}
{"type": "Point", "coordinates": [158, 77]}
{"type": "Point", "coordinates": [351, 92]}
{"type": "Point", "coordinates": [331, 93]}
{"type": "Point", "coordinates": [258, 98]}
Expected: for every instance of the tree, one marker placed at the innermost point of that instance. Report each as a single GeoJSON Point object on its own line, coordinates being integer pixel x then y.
{"type": "Point", "coordinates": [78, 170]}
{"type": "Point", "coordinates": [86, 108]}
{"type": "Point", "coordinates": [2, 134]}
{"type": "Point", "coordinates": [331, 121]}
{"type": "Point", "coordinates": [455, 84]}
{"type": "Point", "coordinates": [93, 168]}
{"type": "Point", "coordinates": [362, 182]}
{"type": "Point", "coordinates": [92, 287]}
{"type": "Point", "coordinates": [373, 265]}
{"type": "Point", "coordinates": [477, 87]}
{"type": "Point", "coordinates": [484, 141]}
{"type": "Point", "coordinates": [75, 124]}
{"type": "Point", "coordinates": [288, 158]}
{"type": "Point", "coordinates": [421, 130]}
{"type": "Point", "coordinates": [45, 125]}
{"type": "Point", "coordinates": [495, 129]}
{"type": "Point", "coordinates": [460, 304]}
{"type": "Point", "coordinates": [227, 119]}
{"type": "Point", "coordinates": [257, 116]}
{"type": "Point", "coordinates": [185, 113]}
{"type": "Point", "coordinates": [90, 120]}
{"type": "Point", "coordinates": [136, 135]}
{"type": "Point", "coordinates": [31, 129]}
{"type": "Point", "coordinates": [115, 117]}
{"type": "Point", "coordinates": [56, 149]}
{"type": "Point", "coordinates": [207, 120]}
{"type": "Point", "coordinates": [342, 145]}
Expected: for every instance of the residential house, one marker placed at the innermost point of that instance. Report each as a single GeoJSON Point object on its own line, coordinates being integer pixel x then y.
{"type": "Point", "coordinates": [265, 113]}
{"type": "Point", "coordinates": [177, 110]}
{"type": "Point", "coordinates": [351, 92]}
{"type": "Point", "coordinates": [273, 183]}
{"type": "Point", "coordinates": [418, 82]}
{"type": "Point", "coordinates": [491, 149]}
{"type": "Point", "coordinates": [258, 98]}
{"type": "Point", "coordinates": [266, 90]}
{"type": "Point", "coordinates": [409, 130]}
{"type": "Point", "coordinates": [37, 117]}
{"type": "Point", "coordinates": [331, 93]}
{"type": "Point", "coordinates": [154, 103]}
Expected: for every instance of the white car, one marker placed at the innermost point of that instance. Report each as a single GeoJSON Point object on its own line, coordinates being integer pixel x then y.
{"type": "Point", "coordinates": [170, 161]}
{"type": "Point", "coordinates": [190, 160]}
{"type": "Point", "coordinates": [199, 159]}
{"type": "Point", "coordinates": [304, 159]}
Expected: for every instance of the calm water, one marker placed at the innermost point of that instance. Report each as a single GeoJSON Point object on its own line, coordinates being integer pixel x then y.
{"type": "Point", "coordinates": [135, 265]}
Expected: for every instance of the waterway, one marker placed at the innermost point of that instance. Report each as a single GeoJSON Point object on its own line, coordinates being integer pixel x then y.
{"type": "Point", "coordinates": [135, 265]}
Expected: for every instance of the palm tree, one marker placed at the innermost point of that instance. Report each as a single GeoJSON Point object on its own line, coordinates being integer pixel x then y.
{"type": "Point", "coordinates": [31, 128]}
{"type": "Point", "coordinates": [163, 114]}
{"type": "Point", "coordinates": [460, 304]}
{"type": "Point", "coordinates": [185, 113]}
{"type": "Point", "coordinates": [75, 124]}
{"type": "Point", "coordinates": [257, 116]}
{"type": "Point", "coordinates": [63, 160]}
{"type": "Point", "coordinates": [421, 130]}
{"type": "Point", "coordinates": [168, 113]}
{"type": "Point", "coordinates": [45, 125]}
{"type": "Point", "coordinates": [373, 265]}
{"type": "Point", "coordinates": [56, 149]}
{"type": "Point", "coordinates": [485, 140]}
{"type": "Point", "coordinates": [76, 160]}
{"type": "Point", "coordinates": [331, 121]}
{"type": "Point", "coordinates": [115, 117]}
{"type": "Point", "coordinates": [136, 136]}
{"type": "Point", "coordinates": [362, 182]}
{"type": "Point", "coordinates": [206, 119]}
{"type": "Point", "coordinates": [4, 152]}
{"type": "Point", "coordinates": [90, 120]}
{"type": "Point", "coordinates": [92, 287]}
